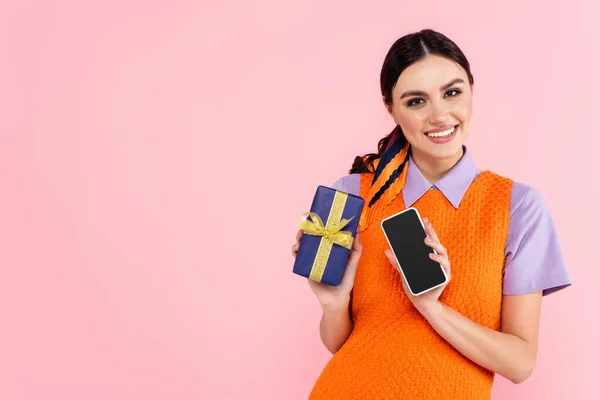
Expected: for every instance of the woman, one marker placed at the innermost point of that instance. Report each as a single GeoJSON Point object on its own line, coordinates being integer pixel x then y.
{"type": "Point", "coordinates": [494, 237]}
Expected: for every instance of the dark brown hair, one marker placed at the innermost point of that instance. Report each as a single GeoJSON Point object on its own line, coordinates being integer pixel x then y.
{"type": "Point", "coordinates": [404, 52]}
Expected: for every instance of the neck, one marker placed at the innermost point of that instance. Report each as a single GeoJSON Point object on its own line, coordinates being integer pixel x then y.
{"type": "Point", "coordinates": [434, 169]}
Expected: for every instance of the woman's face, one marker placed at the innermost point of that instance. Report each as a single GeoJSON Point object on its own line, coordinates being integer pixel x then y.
{"type": "Point", "coordinates": [432, 103]}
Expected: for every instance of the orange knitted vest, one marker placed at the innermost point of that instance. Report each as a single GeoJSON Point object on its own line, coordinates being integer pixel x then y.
{"type": "Point", "coordinates": [393, 352]}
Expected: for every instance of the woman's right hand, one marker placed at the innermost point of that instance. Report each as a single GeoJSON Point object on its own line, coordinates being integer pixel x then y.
{"type": "Point", "coordinates": [334, 296]}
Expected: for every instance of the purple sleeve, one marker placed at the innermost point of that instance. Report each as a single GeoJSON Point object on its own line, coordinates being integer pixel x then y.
{"type": "Point", "coordinates": [349, 184]}
{"type": "Point", "coordinates": [534, 259]}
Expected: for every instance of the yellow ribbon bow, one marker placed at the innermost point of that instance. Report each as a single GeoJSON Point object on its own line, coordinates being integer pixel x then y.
{"type": "Point", "coordinates": [332, 232]}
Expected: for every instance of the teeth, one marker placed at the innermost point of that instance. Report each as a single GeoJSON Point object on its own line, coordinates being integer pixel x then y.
{"type": "Point", "coordinates": [441, 134]}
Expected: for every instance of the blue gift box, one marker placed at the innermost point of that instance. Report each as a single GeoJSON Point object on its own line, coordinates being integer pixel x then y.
{"type": "Point", "coordinates": [319, 257]}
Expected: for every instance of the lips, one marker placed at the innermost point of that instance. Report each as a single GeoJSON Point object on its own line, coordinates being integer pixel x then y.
{"type": "Point", "coordinates": [442, 136]}
{"type": "Point", "coordinates": [441, 129]}
{"type": "Point", "coordinates": [441, 132]}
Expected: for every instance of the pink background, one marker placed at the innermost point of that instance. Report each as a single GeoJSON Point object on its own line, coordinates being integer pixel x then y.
{"type": "Point", "coordinates": [155, 158]}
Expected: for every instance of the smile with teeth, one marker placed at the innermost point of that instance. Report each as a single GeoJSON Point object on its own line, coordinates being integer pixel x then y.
{"type": "Point", "coordinates": [447, 132]}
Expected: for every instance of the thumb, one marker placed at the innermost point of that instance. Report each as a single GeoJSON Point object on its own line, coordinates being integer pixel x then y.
{"type": "Point", "coordinates": [357, 245]}
{"type": "Point", "coordinates": [353, 258]}
{"type": "Point", "coordinates": [390, 255]}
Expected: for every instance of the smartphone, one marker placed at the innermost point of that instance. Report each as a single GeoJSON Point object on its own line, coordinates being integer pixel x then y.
{"type": "Point", "coordinates": [406, 235]}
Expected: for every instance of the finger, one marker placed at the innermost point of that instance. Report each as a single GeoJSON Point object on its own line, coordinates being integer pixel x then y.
{"type": "Point", "coordinates": [353, 259]}
{"type": "Point", "coordinates": [354, 255]}
{"type": "Point", "coordinates": [441, 259]}
{"type": "Point", "coordinates": [437, 246]}
{"type": "Point", "coordinates": [405, 287]}
{"type": "Point", "coordinates": [404, 284]}
{"type": "Point", "coordinates": [357, 245]}
{"type": "Point", "coordinates": [390, 255]}
{"type": "Point", "coordinates": [295, 248]}
{"type": "Point", "coordinates": [434, 237]}
{"type": "Point", "coordinates": [444, 262]}
{"type": "Point", "coordinates": [299, 235]}
{"type": "Point", "coordinates": [429, 230]}
{"type": "Point", "coordinates": [351, 266]}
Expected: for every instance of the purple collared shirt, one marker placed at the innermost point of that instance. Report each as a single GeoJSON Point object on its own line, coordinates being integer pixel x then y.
{"type": "Point", "coordinates": [534, 259]}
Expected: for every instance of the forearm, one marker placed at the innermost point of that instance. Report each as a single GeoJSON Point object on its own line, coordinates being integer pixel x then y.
{"type": "Point", "coordinates": [336, 325]}
{"type": "Point", "coordinates": [503, 353]}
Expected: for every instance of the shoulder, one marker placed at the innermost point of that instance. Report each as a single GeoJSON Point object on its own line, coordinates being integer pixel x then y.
{"type": "Point", "coordinates": [534, 258]}
{"type": "Point", "coordinates": [524, 198]}
{"type": "Point", "coordinates": [526, 201]}
{"type": "Point", "coordinates": [528, 210]}
{"type": "Point", "coordinates": [348, 183]}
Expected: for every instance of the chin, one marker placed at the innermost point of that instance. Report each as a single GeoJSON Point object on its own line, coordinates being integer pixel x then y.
{"type": "Point", "coordinates": [448, 152]}
{"type": "Point", "coordinates": [442, 152]}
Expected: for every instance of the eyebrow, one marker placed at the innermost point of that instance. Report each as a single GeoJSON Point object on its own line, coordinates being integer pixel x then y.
{"type": "Point", "coordinates": [453, 82]}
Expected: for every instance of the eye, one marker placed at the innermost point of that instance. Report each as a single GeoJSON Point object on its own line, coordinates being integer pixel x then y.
{"type": "Point", "coordinates": [453, 92]}
{"type": "Point", "coordinates": [415, 102]}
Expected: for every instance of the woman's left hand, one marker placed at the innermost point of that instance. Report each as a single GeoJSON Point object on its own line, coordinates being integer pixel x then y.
{"type": "Point", "coordinates": [429, 300]}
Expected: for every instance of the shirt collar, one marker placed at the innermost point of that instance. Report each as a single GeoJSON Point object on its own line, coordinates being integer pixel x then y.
{"type": "Point", "coordinates": [453, 185]}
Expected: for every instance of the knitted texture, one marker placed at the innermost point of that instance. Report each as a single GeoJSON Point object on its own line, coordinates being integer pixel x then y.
{"type": "Point", "coordinates": [393, 352]}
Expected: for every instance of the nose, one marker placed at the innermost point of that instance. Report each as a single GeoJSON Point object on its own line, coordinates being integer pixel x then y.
{"type": "Point", "coordinates": [439, 114]}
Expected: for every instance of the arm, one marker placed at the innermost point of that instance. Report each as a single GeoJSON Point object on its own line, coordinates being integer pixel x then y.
{"type": "Point", "coordinates": [511, 352]}
{"type": "Point", "coordinates": [336, 325]}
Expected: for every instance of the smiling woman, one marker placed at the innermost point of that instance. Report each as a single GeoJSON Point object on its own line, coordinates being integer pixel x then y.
{"type": "Point", "coordinates": [435, 113]}
{"type": "Point", "coordinates": [495, 237]}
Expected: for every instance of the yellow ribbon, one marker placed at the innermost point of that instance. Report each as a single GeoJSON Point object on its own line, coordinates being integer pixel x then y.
{"type": "Point", "coordinates": [331, 233]}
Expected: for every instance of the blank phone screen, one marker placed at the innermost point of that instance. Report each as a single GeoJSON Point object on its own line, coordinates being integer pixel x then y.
{"type": "Point", "coordinates": [406, 236]}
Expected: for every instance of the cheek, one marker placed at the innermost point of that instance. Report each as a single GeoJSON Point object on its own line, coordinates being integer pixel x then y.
{"type": "Point", "coordinates": [411, 122]}
{"type": "Point", "coordinates": [463, 110]}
